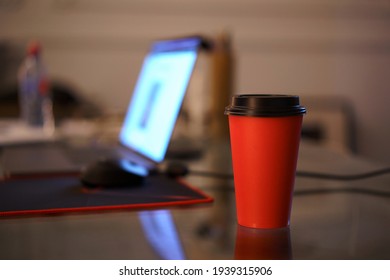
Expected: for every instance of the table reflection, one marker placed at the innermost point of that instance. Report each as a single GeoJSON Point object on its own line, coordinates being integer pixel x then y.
{"type": "Point", "coordinates": [161, 233]}
{"type": "Point", "coordinates": [262, 244]}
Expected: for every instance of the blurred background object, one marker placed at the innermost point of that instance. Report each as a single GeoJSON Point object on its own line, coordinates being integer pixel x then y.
{"type": "Point", "coordinates": [34, 92]}
{"type": "Point", "coordinates": [317, 49]}
{"type": "Point", "coordinates": [68, 102]}
{"type": "Point", "coordinates": [331, 122]}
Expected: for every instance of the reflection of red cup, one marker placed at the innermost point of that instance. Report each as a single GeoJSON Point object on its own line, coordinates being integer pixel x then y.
{"type": "Point", "coordinates": [263, 244]}
{"type": "Point", "coordinates": [264, 135]}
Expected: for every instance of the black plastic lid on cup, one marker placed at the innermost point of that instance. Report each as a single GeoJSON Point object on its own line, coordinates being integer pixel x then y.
{"type": "Point", "coordinates": [265, 105]}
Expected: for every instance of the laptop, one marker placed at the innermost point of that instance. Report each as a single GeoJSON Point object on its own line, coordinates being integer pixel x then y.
{"type": "Point", "coordinates": [150, 119]}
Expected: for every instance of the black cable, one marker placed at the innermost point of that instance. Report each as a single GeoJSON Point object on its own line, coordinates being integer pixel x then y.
{"type": "Point", "coordinates": [307, 174]}
{"type": "Point", "coordinates": [338, 177]}
{"type": "Point", "coordinates": [179, 170]}
{"type": "Point", "coordinates": [320, 191]}
{"type": "Point", "coordinates": [343, 190]}
{"type": "Point", "coordinates": [210, 174]}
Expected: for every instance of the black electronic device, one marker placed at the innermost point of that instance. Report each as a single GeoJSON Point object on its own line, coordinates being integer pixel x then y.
{"type": "Point", "coordinates": [111, 173]}
{"type": "Point", "coordinates": [151, 115]}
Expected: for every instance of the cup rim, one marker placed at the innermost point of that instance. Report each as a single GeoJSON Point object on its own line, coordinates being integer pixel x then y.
{"type": "Point", "coordinates": [265, 105]}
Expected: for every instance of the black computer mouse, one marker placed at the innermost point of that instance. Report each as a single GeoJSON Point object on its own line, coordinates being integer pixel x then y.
{"type": "Point", "coordinates": [111, 173]}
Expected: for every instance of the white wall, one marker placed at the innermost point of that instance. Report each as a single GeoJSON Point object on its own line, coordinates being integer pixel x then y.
{"type": "Point", "coordinates": [306, 47]}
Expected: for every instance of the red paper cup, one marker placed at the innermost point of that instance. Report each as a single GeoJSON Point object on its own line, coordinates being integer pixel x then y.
{"type": "Point", "coordinates": [264, 135]}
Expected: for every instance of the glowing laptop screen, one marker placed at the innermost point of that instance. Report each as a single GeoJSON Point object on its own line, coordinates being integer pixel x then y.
{"type": "Point", "coordinates": [157, 99]}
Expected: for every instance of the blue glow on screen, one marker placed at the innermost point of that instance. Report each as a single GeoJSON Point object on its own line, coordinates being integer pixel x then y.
{"type": "Point", "coordinates": [133, 167]}
{"type": "Point", "coordinates": [156, 102]}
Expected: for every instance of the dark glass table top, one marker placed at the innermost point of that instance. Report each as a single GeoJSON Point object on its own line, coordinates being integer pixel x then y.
{"type": "Point", "coordinates": [331, 219]}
